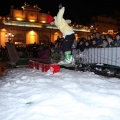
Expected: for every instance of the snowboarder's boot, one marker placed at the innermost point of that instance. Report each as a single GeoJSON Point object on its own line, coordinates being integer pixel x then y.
{"type": "Point", "coordinates": [68, 58]}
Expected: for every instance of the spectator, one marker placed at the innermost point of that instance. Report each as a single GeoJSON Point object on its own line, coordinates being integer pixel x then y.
{"type": "Point", "coordinates": [110, 41]}
{"type": "Point", "coordinates": [105, 43]}
{"type": "Point", "coordinates": [117, 40]}
{"type": "Point", "coordinates": [98, 39]}
{"type": "Point", "coordinates": [93, 36]}
{"type": "Point", "coordinates": [89, 39]}
{"type": "Point", "coordinates": [87, 45]}
{"type": "Point", "coordinates": [94, 44]}
{"type": "Point", "coordinates": [81, 45]}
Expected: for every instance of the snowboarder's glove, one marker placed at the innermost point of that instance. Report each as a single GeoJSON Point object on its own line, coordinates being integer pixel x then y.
{"type": "Point", "coordinates": [60, 6]}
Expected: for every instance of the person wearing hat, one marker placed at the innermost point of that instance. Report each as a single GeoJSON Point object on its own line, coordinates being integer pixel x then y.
{"type": "Point", "coordinates": [68, 34]}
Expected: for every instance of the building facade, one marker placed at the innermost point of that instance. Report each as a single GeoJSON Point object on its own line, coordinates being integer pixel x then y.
{"type": "Point", "coordinates": [105, 25]}
{"type": "Point", "coordinates": [28, 25]}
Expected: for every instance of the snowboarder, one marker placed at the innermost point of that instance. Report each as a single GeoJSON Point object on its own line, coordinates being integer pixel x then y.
{"type": "Point", "coordinates": [67, 31]}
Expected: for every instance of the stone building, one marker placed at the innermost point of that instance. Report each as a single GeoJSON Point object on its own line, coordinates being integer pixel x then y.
{"type": "Point", "coordinates": [28, 25]}
{"type": "Point", "coordinates": [105, 25]}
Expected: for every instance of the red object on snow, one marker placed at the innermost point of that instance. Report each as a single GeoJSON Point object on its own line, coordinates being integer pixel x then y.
{"type": "Point", "coordinates": [53, 68]}
{"type": "Point", "coordinates": [36, 65]}
{"type": "Point", "coordinates": [31, 63]}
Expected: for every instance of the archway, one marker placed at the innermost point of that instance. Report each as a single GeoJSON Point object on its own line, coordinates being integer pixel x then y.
{"type": "Point", "coordinates": [19, 40]}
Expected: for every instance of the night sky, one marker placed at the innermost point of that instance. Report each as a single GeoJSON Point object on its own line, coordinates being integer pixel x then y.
{"type": "Point", "coordinates": [79, 12]}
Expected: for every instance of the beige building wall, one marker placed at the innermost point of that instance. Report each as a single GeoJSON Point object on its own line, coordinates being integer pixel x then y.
{"type": "Point", "coordinates": [3, 39]}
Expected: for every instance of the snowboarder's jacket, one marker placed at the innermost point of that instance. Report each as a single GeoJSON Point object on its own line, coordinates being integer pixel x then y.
{"type": "Point", "coordinates": [62, 24]}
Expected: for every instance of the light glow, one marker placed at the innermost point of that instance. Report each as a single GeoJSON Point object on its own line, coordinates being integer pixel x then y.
{"type": "Point", "coordinates": [43, 21]}
{"type": "Point", "coordinates": [19, 19]}
{"type": "Point", "coordinates": [32, 20]}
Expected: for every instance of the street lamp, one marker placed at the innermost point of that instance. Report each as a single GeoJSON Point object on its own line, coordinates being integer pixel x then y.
{"type": "Point", "coordinates": [9, 36]}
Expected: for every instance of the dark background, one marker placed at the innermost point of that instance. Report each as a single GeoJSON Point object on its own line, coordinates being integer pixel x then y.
{"type": "Point", "coordinates": [79, 11]}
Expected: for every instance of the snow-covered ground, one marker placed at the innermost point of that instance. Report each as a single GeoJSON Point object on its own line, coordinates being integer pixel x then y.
{"type": "Point", "coordinates": [29, 94]}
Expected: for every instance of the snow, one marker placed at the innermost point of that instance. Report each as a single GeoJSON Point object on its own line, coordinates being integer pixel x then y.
{"type": "Point", "coordinates": [29, 94]}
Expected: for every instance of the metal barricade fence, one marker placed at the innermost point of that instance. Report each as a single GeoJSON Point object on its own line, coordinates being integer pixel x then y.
{"type": "Point", "coordinates": [110, 56]}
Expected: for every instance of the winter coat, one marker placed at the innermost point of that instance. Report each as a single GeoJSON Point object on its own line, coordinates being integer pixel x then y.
{"type": "Point", "coordinates": [110, 44]}
{"type": "Point", "coordinates": [62, 24]}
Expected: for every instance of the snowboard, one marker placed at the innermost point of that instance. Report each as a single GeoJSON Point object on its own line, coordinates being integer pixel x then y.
{"type": "Point", "coordinates": [67, 65]}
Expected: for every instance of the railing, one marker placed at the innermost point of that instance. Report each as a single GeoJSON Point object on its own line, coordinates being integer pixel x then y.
{"type": "Point", "coordinates": [109, 56]}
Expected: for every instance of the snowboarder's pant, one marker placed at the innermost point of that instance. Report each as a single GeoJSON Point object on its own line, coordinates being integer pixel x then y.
{"type": "Point", "coordinates": [68, 42]}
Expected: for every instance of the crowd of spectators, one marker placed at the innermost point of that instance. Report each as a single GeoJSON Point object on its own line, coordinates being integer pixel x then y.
{"type": "Point", "coordinates": [53, 50]}
{"type": "Point", "coordinates": [96, 40]}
